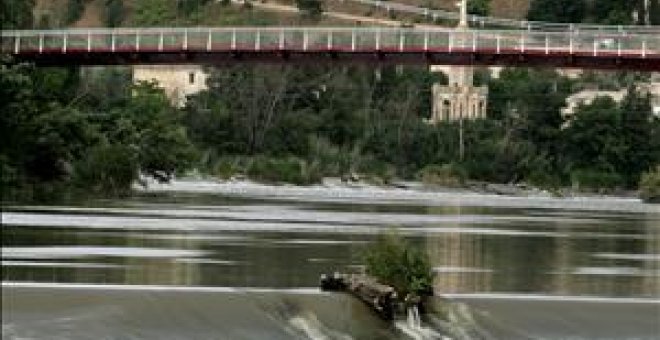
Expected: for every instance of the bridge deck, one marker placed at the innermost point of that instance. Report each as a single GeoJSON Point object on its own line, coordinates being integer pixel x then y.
{"type": "Point", "coordinates": [397, 45]}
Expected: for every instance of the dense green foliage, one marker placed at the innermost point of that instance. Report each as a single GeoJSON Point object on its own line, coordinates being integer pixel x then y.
{"type": "Point", "coordinates": [595, 11]}
{"type": "Point", "coordinates": [113, 13]}
{"type": "Point", "coordinates": [74, 10]}
{"type": "Point", "coordinates": [616, 142]}
{"type": "Point", "coordinates": [60, 132]}
{"type": "Point", "coordinates": [395, 262]}
{"type": "Point", "coordinates": [654, 12]}
{"type": "Point", "coordinates": [355, 119]}
{"type": "Point", "coordinates": [16, 14]}
{"type": "Point", "coordinates": [280, 123]}
{"type": "Point", "coordinates": [557, 10]}
{"type": "Point", "coordinates": [313, 8]}
{"type": "Point", "coordinates": [479, 7]}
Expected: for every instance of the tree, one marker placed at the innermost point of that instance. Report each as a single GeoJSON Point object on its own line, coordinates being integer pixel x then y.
{"type": "Point", "coordinates": [114, 12]}
{"type": "Point", "coordinates": [161, 142]}
{"type": "Point", "coordinates": [41, 136]}
{"type": "Point", "coordinates": [313, 8]}
{"type": "Point", "coordinates": [74, 10]}
{"type": "Point", "coordinates": [479, 7]}
{"type": "Point", "coordinates": [637, 125]}
{"type": "Point", "coordinates": [187, 7]}
{"type": "Point", "coordinates": [654, 12]}
{"type": "Point", "coordinates": [606, 139]}
{"type": "Point", "coordinates": [557, 10]}
{"type": "Point", "coordinates": [593, 143]}
{"type": "Point", "coordinates": [16, 14]}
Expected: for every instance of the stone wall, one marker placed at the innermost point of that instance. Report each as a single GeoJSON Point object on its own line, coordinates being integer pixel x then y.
{"type": "Point", "coordinates": [177, 81]}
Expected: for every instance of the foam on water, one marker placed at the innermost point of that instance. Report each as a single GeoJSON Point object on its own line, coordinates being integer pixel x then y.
{"type": "Point", "coordinates": [631, 257]}
{"type": "Point", "coordinates": [370, 194]}
{"type": "Point", "coordinates": [87, 251]}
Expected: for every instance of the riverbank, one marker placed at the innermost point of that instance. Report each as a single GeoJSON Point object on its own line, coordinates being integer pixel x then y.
{"type": "Point", "coordinates": [401, 192]}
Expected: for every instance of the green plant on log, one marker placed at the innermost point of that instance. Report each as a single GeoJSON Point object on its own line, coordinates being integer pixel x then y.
{"type": "Point", "coordinates": [395, 262]}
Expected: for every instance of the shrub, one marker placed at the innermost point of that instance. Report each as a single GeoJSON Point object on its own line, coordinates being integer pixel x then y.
{"type": "Point", "coordinates": [313, 8]}
{"type": "Point", "coordinates": [649, 186]}
{"type": "Point", "coordinates": [595, 179]}
{"type": "Point", "coordinates": [331, 159]}
{"type": "Point", "coordinates": [395, 262]}
{"type": "Point", "coordinates": [376, 172]}
{"type": "Point", "coordinates": [107, 169]}
{"type": "Point", "coordinates": [288, 170]}
{"type": "Point", "coordinates": [226, 167]}
{"type": "Point", "coordinates": [114, 13]}
{"type": "Point", "coordinates": [75, 9]}
{"type": "Point", "coordinates": [448, 175]}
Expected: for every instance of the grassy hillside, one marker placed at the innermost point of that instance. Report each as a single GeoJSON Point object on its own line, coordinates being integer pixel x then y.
{"type": "Point", "coordinates": [165, 13]}
{"type": "Point", "coordinates": [95, 13]}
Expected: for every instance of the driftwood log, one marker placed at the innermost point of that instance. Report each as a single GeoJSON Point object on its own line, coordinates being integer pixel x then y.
{"type": "Point", "coordinates": [381, 298]}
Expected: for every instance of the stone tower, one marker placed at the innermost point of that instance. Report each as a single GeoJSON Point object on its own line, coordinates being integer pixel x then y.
{"type": "Point", "coordinates": [460, 99]}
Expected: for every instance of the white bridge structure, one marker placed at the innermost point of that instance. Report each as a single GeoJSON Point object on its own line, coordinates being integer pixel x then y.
{"type": "Point", "coordinates": [636, 50]}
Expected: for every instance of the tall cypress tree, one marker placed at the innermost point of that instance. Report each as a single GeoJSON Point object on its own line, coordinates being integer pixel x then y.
{"type": "Point", "coordinates": [654, 12]}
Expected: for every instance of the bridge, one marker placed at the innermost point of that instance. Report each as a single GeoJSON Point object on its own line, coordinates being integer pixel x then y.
{"type": "Point", "coordinates": [434, 15]}
{"type": "Point", "coordinates": [609, 49]}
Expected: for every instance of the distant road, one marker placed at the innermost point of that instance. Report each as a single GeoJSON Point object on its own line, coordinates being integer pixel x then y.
{"type": "Point", "coordinates": [330, 14]}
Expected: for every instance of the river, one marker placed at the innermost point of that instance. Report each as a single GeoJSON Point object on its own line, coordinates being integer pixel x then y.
{"type": "Point", "coordinates": [205, 260]}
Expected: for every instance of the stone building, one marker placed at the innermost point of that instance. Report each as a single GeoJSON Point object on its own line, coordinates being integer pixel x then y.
{"type": "Point", "coordinates": [460, 99]}
{"type": "Point", "coordinates": [178, 81]}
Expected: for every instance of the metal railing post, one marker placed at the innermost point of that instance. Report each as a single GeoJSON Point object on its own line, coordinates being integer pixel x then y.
{"type": "Point", "coordinates": [209, 41]}
{"type": "Point", "coordinates": [185, 39]}
{"type": "Point", "coordinates": [17, 44]}
{"type": "Point", "coordinates": [499, 43]}
{"type": "Point", "coordinates": [474, 41]}
{"type": "Point", "coordinates": [257, 40]}
{"type": "Point", "coordinates": [522, 43]}
{"type": "Point", "coordinates": [41, 43]}
{"type": "Point", "coordinates": [161, 41]}
{"type": "Point", "coordinates": [329, 40]}
{"type": "Point", "coordinates": [644, 48]}
{"type": "Point", "coordinates": [281, 39]}
{"type": "Point", "coordinates": [547, 44]}
{"type": "Point", "coordinates": [451, 41]}
{"type": "Point", "coordinates": [426, 41]}
{"type": "Point", "coordinates": [113, 44]}
{"type": "Point", "coordinates": [618, 47]}
{"type": "Point", "coordinates": [233, 39]}
{"type": "Point", "coordinates": [353, 39]}
{"type": "Point", "coordinates": [595, 47]}
{"type": "Point", "coordinates": [402, 41]}
{"type": "Point", "coordinates": [137, 41]}
{"type": "Point", "coordinates": [65, 41]}
{"type": "Point", "coordinates": [570, 44]}
{"type": "Point", "coordinates": [305, 40]}
{"type": "Point", "coordinates": [378, 39]}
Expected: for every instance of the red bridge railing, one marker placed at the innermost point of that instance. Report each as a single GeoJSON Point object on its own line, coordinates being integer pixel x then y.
{"type": "Point", "coordinates": [164, 45]}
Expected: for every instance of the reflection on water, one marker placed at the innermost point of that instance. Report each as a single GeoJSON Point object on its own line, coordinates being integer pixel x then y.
{"type": "Point", "coordinates": [210, 240]}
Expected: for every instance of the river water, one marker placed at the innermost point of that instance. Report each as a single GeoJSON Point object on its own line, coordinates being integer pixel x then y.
{"type": "Point", "coordinates": [203, 260]}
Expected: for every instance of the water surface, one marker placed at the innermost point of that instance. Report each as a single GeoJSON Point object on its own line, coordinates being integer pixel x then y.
{"type": "Point", "coordinates": [265, 247]}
